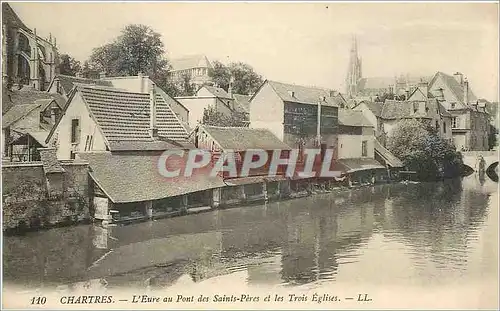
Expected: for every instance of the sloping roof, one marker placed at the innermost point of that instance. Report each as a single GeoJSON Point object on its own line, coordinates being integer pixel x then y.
{"type": "Point", "coordinates": [44, 103]}
{"type": "Point", "coordinates": [350, 117]}
{"type": "Point", "coordinates": [134, 178]}
{"type": "Point", "coordinates": [38, 135]}
{"type": "Point", "coordinates": [454, 86]}
{"type": "Point", "coordinates": [242, 102]}
{"type": "Point", "coordinates": [68, 82]}
{"type": "Point", "coordinates": [217, 91]}
{"type": "Point", "coordinates": [126, 115]}
{"type": "Point", "coordinates": [189, 62]}
{"type": "Point", "coordinates": [157, 145]}
{"type": "Point", "coordinates": [303, 94]}
{"type": "Point", "coordinates": [360, 164]}
{"type": "Point", "coordinates": [391, 159]}
{"type": "Point", "coordinates": [10, 18]}
{"type": "Point", "coordinates": [374, 107]}
{"type": "Point", "coordinates": [28, 95]}
{"type": "Point", "coordinates": [392, 109]}
{"type": "Point", "coordinates": [17, 112]}
{"type": "Point", "coordinates": [244, 138]}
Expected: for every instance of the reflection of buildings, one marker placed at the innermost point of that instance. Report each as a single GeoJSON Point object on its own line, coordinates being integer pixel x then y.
{"type": "Point", "coordinates": [27, 58]}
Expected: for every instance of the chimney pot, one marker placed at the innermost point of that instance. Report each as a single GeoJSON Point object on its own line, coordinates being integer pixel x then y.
{"type": "Point", "coordinates": [459, 77]}
{"type": "Point", "coordinates": [152, 113]}
{"type": "Point", "coordinates": [466, 91]}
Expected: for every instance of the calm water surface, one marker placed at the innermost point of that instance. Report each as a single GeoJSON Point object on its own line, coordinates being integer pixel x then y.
{"type": "Point", "coordinates": [417, 234]}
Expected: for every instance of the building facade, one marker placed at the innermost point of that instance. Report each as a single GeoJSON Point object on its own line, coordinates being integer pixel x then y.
{"type": "Point", "coordinates": [28, 59]}
{"type": "Point", "coordinates": [470, 118]}
{"type": "Point", "coordinates": [194, 67]}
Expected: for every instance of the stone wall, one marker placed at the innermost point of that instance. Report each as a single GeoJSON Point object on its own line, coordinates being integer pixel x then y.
{"type": "Point", "coordinates": [34, 199]}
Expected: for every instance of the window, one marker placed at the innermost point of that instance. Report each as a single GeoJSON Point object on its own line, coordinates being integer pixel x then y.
{"type": "Point", "coordinates": [364, 148]}
{"type": "Point", "coordinates": [72, 155]}
{"type": "Point", "coordinates": [444, 127]}
{"type": "Point", "coordinates": [75, 131]}
{"type": "Point", "coordinates": [454, 122]}
{"type": "Point", "coordinates": [437, 125]}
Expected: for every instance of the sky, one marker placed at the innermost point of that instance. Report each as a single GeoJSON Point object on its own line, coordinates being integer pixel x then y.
{"type": "Point", "coordinates": [301, 43]}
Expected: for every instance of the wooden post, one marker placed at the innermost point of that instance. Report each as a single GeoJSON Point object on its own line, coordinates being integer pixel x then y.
{"type": "Point", "coordinates": [216, 196]}
{"type": "Point", "coordinates": [264, 190]}
{"type": "Point", "coordinates": [184, 203]}
{"type": "Point", "coordinates": [149, 209]}
{"type": "Point", "coordinates": [29, 148]}
{"type": "Point", "coordinates": [242, 193]}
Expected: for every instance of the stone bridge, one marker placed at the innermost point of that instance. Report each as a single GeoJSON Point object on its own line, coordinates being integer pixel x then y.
{"type": "Point", "coordinates": [472, 159]}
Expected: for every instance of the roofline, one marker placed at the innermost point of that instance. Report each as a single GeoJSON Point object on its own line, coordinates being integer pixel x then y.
{"type": "Point", "coordinates": [23, 115]}
{"type": "Point", "coordinates": [101, 187]}
{"type": "Point", "coordinates": [52, 130]}
{"type": "Point", "coordinates": [106, 142]}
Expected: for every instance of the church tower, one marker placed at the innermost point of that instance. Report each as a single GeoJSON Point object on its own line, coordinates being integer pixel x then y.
{"type": "Point", "coordinates": [354, 70]}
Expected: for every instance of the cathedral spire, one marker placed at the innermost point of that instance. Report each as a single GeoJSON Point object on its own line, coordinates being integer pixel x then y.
{"type": "Point", "coordinates": [354, 70]}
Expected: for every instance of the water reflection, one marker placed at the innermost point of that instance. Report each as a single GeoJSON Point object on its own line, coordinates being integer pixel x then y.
{"type": "Point", "coordinates": [436, 227]}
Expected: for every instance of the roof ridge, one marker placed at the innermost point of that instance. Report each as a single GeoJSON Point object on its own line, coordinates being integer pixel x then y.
{"type": "Point", "coordinates": [106, 88]}
{"type": "Point", "coordinates": [302, 85]}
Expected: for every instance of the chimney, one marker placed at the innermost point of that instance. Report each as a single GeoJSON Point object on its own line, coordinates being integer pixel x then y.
{"type": "Point", "coordinates": [291, 93]}
{"type": "Point", "coordinates": [153, 130]}
{"type": "Point", "coordinates": [58, 85]}
{"type": "Point", "coordinates": [333, 93]}
{"type": "Point", "coordinates": [466, 91]}
{"type": "Point", "coordinates": [407, 94]}
{"type": "Point", "coordinates": [424, 87]}
{"type": "Point", "coordinates": [459, 77]}
{"type": "Point", "coordinates": [53, 115]}
{"type": "Point", "coordinates": [141, 82]}
{"type": "Point", "coordinates": [102, 75]}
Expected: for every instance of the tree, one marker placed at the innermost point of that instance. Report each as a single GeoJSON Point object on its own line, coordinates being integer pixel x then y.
{"type": "Point", "coordinates": [138, 49]}
{"type": "Point", "coordinates": [188, 88]}
{"type": "Point", "coordinates": [421, 149]}
{"type": "Point", "coordinates": [215, 118]}
{"type": "Point", "coordinates": [68, 65]}
{"type": "Point", "coordinates": [245, 79]}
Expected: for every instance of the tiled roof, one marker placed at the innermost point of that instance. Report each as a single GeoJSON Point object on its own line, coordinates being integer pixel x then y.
{"type": "Point", "coordinates": [242, 102]}
{"type": "Point", "coordinates": [217, 91]}
{"type": "Point", "coordinates": [455, 87]}
{"type": "Point", "coordinates": [244, 138]}
{"type": "Point", "coordinates": [28, 95]}
{"type": "Point", "coordinates": [134, 178]}
{"type": "Point", "coordinates": [360, 164]}
{"type": "Point", "coordinates": [392, 109]}
{"type": "Point", "coordinates": [17, 112]}
{"type": "Point", "coordinates": [49, 161]}
{"type": "Point", "coordinates": [189, 62]}
{"type": "Point", "coordinates": [157, 145]}
{"type": "Point", "coordinates": [350, 117]}
{"type": "Point", "coordinates": [391, 159]}
{"type": "Point", "coordinates": [303, 94]}
{"type": "Point", "coordinates": [126, 116]}
{"type": "Point", "coordinates": [68, 82]}
{"type": "Point", "coordinates": [375, 107]}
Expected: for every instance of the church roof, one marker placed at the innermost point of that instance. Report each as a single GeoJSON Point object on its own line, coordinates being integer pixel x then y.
{"type": "Point", "coordinates": [189, 62]}
{"type": "Point", "coordinates": [375, 83]}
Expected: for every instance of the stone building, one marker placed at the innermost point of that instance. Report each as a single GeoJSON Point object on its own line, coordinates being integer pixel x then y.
{"type": "Point", "coordinates": [28, 58]}
{"type": "Point", "coordinates": [195, 67]}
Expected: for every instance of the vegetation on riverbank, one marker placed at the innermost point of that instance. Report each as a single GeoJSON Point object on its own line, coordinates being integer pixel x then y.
{"type": "Point", "coordinates": [422, 150]}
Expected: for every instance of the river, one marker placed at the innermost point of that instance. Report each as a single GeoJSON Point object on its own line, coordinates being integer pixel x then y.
{"type": "Point", "coordinates": [421, 236]}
